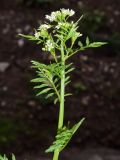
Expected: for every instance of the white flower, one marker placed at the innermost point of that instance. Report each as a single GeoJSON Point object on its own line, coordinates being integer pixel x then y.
{"type": "Point", "coordinates": [52, 17]}
{"type": "Point", "coordinates": [44, 26]}
{"type": "Point", "coordinates": [49, 45]}
{"type": "Point", "coordinates": [67, 12]}
{"type": "Point", "coordinates": [37, 34]}
{"type": "Point", "coordinates": [58, 14]}
{"type": "Point", "coordinates": [59, 25]}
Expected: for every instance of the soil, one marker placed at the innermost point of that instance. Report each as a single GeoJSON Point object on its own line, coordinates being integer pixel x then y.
{"type": "Point", "coordinates": [96, 85]}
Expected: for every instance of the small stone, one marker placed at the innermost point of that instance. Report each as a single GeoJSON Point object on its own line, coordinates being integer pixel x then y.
{"type": "Point", "coordinates": [113, 64]}
{"type": "Point", "coordinates": [27, 28]}
{"type": "Point", "coordinates": [109, 8]}
{"type": "Point", "coordinates": [20, 43]}
{"type": "Point", "coordinates": [39, 107]}
{"type": "Point", "coordinates": [116, 13]}
{"type": "Point", "coordinates": [96, 157]}
{"type": "Point", "coordinates": [90, 69]}
{"type": "Point", "coordinates": [106, 68]}
{"type": "Point", "coordinates": [111, 21]}
{"type": "Point", "coordinates": [83, 70]}
{"type": "Point", "coordinates": [31, 116]}
{"type": "Point", "coordinates": [80, 4]}
{"type": "Point", "coordinates": [5, 88]}
{"type": "Point", "coordinates": [3, 103]}
{"type": "Point", "coordinates": [19, 30]}
{"type": "Point", "coordinates": [32, 103]}
{"type": "Point", "coordinates": [85, 100]}
{"type": "Point", "coordinates": [108, 84]}
{"type": "Point", "coordinates": [111, 70]}
{"type": "Point", "coordinates": [4, 66]}
{"type": "Point", "coordinates": [84, 58]}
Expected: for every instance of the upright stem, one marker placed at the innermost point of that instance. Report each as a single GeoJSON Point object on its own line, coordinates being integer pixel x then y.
{"type": "Point", "coordinates": [62, 91]}
{"type": "Point", "coordinates": [62, 95]}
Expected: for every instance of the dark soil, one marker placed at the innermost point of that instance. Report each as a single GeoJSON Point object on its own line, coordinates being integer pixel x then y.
{"type": "Point", "coordinates": [96, 84]}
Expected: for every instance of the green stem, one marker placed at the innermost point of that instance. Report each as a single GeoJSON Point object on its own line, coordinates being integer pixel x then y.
{"type": "Point", "coordinates": [62, 95]}
{"type": "Point", "coordinates": [56, 155]}
{"type": "Point", "coordinates": [55, 89]}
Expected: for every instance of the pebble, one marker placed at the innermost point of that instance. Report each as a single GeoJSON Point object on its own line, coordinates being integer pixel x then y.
{"type": "Point", "coordinates": [109, 8]}
{"type": "Point", "coordinates": [4, 66]}
{"type": "Point", "coordinates": [106, 68]}
{"type": "Point", "coordinates": [32, 103]}
{"type": "Point", "coordinates": [20, 43]}
{"type": "Point", "coordinates": [27, 28]}
{"type": "Point", "coordinates": [19, 30]}
{"type": "Point", "coordinates": [111, 21]}
{"type": "Point", "coordinates": [114, 64]}
{"type": "Point", "coordinates": [84, 58]}
{"type": "Point", "coordinates": [96, 157]}
{"type": "Point", "coordinates": [116, 13]}
{"type": "Point", "coordinates": [3, 103]}
{"type": "Point", "coordinates": [85, 100]}
{"type": "Point", "coordinates": [5, 88]}
{"type": "Point", "coordinates": [80, 4]}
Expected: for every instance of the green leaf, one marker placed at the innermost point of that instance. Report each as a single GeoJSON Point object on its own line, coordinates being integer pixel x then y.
{"type": "Point", "coordinates": [80, 44]}
{"type": "Point", "coordinates": [69, 70]}
{"type": "Point", "coordinates": [87, 41]}
{"type": "Point", "coordinates": [13, 157]}
{"type": "Point", "coordinates": [68, 94]}
{"type": "Point", "coordinates": [3, 158]}
{"type": "Point", "coordinates": [67, 79]}
{"type": "Point", "coordinates": [63, 137]}
{"type": "Point", "coordinates": [44, 91]}
{"type": "Point", "coordinates": [38, 80]}
{"type": "Point", "coordinates": [41, 86]}
{"type": "Point", "coordinates": [50, 95]}
{"type": "Point", "coordinates": [97, 44]}
{"type": "Point", "coordinates": [56, 100]}
{"type": "Point", "coordinates": [29, 37]}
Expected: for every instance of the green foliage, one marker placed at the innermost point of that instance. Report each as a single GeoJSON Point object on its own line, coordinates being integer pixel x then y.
{"type": "Point", "coordinates": [5, 158]}
{"type": "Point", "coordinates": [58, 37]}
{"type": "Point", "coordinates": [63, 137]}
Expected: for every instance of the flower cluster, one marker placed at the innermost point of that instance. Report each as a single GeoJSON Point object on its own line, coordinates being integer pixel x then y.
{"type": "Point", "coordinates": [42, 31]}
{"type": "Point", "coordinates": [48, 46]}
{"type": "Point", "coordinates": [44, 27]}
{"type": "Point", "coordinates": [58, 15]}
{"type": "Point", "coordinates": [67, 12]}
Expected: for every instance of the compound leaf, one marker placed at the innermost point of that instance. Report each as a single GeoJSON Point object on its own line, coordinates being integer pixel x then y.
{"type": "Point", "coordinates": [63, 137]}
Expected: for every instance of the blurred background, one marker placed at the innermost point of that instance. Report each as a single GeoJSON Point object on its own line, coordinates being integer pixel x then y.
{"type": "Point", "coordinates": [28, 123]}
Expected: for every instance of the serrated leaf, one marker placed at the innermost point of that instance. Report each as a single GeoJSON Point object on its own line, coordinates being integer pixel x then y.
{"type": "Point", "coordinates": [63, 137]}
{"type": "Point", "coordinates": [44, 91]}
{"type": "Point", "coordinates": [49, 95]}
{"type": "Point", "coordinates": [66, 83]}
{"type": "Point", "coordinates": [41, 86]}
{"type": "Point", "coordinates": [38, 80]}
{"type": "Point", "coordinates": [67, 79]}
{"type": "Point", "coordinates": [69, 70]}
